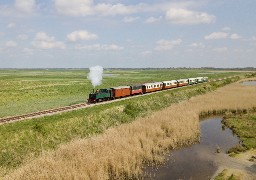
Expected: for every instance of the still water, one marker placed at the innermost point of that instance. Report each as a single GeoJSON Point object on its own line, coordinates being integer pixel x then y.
{"type": "Point", "coordinates": [196, 161]}
{"type": "Point", "coordinates": [249, 83]}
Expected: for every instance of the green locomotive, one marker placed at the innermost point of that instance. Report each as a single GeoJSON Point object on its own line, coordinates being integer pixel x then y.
{"type": "Point", "coordinates": [100, 95]}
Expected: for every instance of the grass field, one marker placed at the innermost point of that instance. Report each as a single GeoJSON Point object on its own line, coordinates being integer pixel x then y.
{"type": "Point", "coordinates": [120, 151]}
{"type": "Point", "coordinates": [22, 141]}
{"type": "Point", "coordinates": [223, 176]}
{"type": "Point", "coordinates": [26, 91]}
{"type": "Point", "coordinates": [244, 126]}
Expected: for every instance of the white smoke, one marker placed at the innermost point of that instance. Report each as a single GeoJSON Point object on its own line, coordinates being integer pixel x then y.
{"type": "Point", "coordinates": [95, 75]}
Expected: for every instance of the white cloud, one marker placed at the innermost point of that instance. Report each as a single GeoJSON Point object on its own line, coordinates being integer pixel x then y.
{"type": "Point", "coordinates": [130, 19]}
{"type": "Point", "coordinates": [146, 53]}
{"type": "Point", "coordinates": [153, 19]}
{"type": "Point", "coordinates": [113, 8]}
{"type": "Point", "coordinates": [28, 51]}
{"type": "Point", "coordinates": [11, 25]}
{"type": "Point", "coordinates": [116, 9]}
{"type": "Point", "coordinates": [81, 35]}
{"type": "Point", "coordinates": [254, 38]}
{"type": "Point", "coordinates": [197, 45]}
{"type": "Point", "coordinates": [26, 6]}
{"type": "Point", "coordinates": [166, 44]}
{"type": "Point", "coordinates": [98, 47]}
{"type": "Point", "coordinates": [74, 7]}
{"type": "Point", "coordinates": [23, 37]}
{"type": "Point", "coordinates": [184, 16]}
{"type": "Point", "coordinates": [235, 36]}
{"type": "Point", "coordinates": [216, 35]}
{"type": "Point", "coordinates": [226, 29]}
{"type": "Point", "coordinates": [87, 7]}
{"type": "Point", "coordinates": [42, 36]}
{"type": "Point", "coordinates": [220, 50]}
{"type": "Point", "coordinates": [10, 44]}
{"type": "Point", "coordinates": [43, 41]}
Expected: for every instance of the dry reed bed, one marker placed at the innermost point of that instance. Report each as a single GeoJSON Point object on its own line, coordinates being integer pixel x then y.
{"type": "Point", "coordinates": [122, 151]}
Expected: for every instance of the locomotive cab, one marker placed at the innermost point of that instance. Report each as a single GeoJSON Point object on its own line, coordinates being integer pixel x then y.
{"type": "Point", "coordinates": [100, 95]}
{"type": "Point", "coordinates": [92, 97]}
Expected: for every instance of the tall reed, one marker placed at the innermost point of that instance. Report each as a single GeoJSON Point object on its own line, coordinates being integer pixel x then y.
{"type": "Point", "coordinates": [121, 152]}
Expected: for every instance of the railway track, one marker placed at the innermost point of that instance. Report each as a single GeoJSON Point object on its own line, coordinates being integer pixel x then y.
{"type": "Point", "coordinates": [68, 108]}
{"type": "Point", "coordinates": [43, 113]}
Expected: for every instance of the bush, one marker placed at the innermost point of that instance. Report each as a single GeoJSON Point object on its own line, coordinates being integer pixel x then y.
{"type": "Point", "coordinates": [132, 109]}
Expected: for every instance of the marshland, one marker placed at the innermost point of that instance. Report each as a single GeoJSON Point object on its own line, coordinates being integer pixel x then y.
{"type": "Point", "coordinates": [51, 88]}
{"type": "Point", "coordinates": [109, 141]}
{"type": "Point", "coordinates": [200, 160]}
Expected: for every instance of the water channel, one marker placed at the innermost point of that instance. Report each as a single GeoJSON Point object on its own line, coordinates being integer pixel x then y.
{"type": "Point", "coordinates": [249, 83]}
{"type": "Point", "coordinates": [197, 161]}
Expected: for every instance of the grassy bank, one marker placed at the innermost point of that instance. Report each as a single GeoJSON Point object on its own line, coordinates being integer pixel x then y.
{"type": "Point", "coordinates": [225, 176]}
{"type": "Point", "coordinates": [22, 141]}
{"type": "Point", "coordinates": [26, 91]}
{"type": "Point", "coordinates": [121, 151]}
{"type": "Point", "coordinates": [243, 125]}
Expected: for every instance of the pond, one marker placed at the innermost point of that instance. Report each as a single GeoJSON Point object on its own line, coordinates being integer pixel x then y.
{"type": "Point", "coordinates": [198, 160]}
{"type": "Point", "coordinates": [110, 75]}
{"type": "Point", "coordinates": [249, 83]}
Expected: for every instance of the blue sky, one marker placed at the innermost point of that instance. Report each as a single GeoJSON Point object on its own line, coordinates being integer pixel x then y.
{"type": "Point", "coordinates": [127, 33]}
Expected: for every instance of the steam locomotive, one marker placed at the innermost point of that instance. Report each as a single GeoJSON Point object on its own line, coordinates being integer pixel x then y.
{"type": "Point", "coordinates": [125, 91]}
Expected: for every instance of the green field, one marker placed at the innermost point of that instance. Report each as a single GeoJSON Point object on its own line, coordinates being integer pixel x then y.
{"type": "Point", "coordinates": [25, 140]}
{"type": "Point", "coordinates": [26, 91]}
{"type": "Point", "coordinates": [244, 126]}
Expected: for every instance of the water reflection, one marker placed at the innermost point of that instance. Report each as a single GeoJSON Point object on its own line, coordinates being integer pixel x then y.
{"type": "Point", "coordinates": [197, 161]}
{"type": "Point", "coordinates": [249, 83]}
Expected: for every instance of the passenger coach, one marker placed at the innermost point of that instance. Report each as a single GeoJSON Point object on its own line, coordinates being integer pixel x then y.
{"type": "Point", "coordinates": [136, 89]}
{"type": "Point", "coordinates": [121, 91]}
{"type": "Point", "coordinates": [170, 84]}
{"type": "Point", "coordinates": [192, 81]}
{"type": "Point", "coordinates": [182, 82]}
{"type": "Point", "coordinates": [200, 79]}
{"type": "Point", "coordinates": [151, 87]}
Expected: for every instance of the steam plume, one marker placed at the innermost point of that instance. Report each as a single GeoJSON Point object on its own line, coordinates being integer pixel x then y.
{"type": "Point", "coordinates": [95, 75]}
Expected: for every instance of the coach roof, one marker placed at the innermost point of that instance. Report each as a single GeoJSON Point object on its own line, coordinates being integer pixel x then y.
{"type": "Point", "coordinates": [121, 87]}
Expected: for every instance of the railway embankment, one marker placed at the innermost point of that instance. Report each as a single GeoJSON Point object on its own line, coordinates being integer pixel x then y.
{"type": "Point", "coordinates": [122, 150]}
